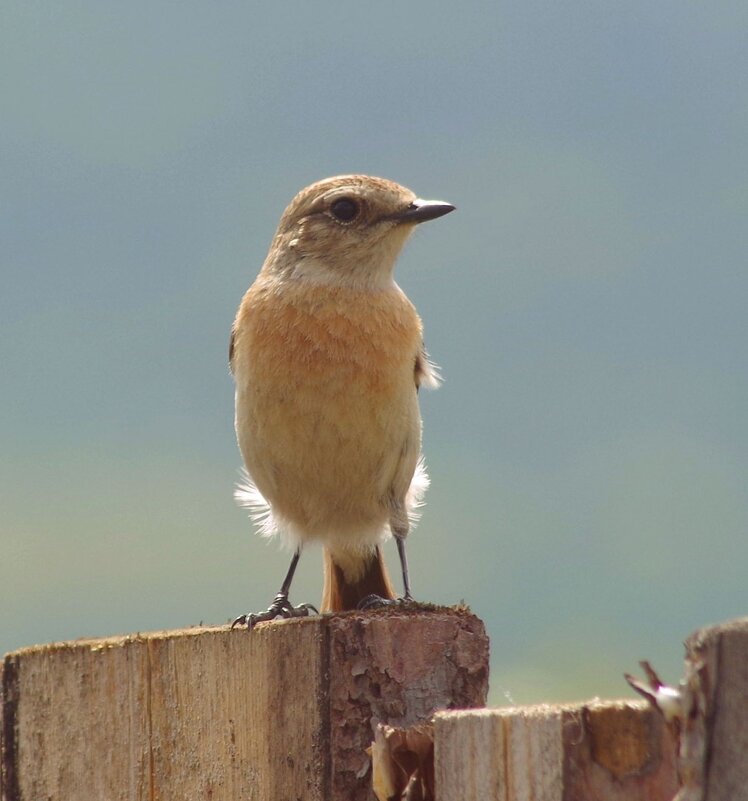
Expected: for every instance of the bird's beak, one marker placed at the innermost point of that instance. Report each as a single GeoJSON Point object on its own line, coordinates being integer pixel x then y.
{"type": "Point", "coordinates": [421, 210]}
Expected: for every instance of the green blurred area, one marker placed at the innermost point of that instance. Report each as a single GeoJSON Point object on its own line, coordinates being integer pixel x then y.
{"type": "Point", "coordinates": [588, 449]}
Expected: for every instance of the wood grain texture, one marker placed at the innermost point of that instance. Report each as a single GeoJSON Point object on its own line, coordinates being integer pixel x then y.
{"type": "Point", "coordinates": [208, 713]}
{"type": "Point", "coordinates": [616, 751]}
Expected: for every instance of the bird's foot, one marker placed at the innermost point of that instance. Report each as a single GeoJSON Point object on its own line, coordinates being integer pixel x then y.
{"type": "Point", "coordinates": [377, 602]}
{"type": "Point", "coordinates": [281, 607]}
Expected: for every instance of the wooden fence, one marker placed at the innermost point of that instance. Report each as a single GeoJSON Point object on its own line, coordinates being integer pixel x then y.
{"type": "Point", "coordinates": [339, 707]}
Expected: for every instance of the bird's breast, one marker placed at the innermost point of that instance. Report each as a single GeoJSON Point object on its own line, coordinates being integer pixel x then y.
{"type": "Point", "coordinates": [293, 338]}
{"type": "Point", "coordinates": [325, 397]}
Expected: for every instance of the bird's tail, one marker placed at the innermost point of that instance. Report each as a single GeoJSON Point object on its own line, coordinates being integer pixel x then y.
{"type": "Point", "coordinates": [339, 593]}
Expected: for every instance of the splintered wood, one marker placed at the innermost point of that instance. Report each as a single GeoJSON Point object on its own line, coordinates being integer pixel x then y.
{"type": "Point", "coordinates": [286, 712]}
{"type": "Point", "coordinates": [403, 763]}
{"type": "Point", "coordinates": [602, 751]}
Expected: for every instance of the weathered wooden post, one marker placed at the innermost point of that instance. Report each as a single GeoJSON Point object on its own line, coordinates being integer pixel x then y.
{"type": "Point", "coordinates": [611, 750]}
{"type": "Point", "coordinates": [283, 713]}
{"type": "Point", "coordinates": [714, 726]}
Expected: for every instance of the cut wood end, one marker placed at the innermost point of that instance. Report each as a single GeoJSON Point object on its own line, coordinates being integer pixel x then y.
{"type": "Point", "coordinates": [119, 640]}
{"type": "Point", "coordinates": [404, 610]}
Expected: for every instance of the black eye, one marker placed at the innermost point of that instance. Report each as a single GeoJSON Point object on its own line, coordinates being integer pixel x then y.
{"type": "Point", "coordinates": [344, 209]}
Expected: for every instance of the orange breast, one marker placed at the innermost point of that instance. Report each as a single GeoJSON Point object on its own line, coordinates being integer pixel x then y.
{"type": "Point", "coordinates": [325, 397]}
{"type": "Point", "coordinates": [297, 335]}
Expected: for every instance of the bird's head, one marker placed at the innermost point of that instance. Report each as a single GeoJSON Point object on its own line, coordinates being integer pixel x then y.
{"type": "Point", "coordinates": [347, 231]}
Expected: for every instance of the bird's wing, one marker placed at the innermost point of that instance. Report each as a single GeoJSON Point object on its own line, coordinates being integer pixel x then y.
{"type": "Point", "coordinates": [232, 342]}
{"type": "Point", "coordinates": [426, 372]}
{"type": "Point", "coordinates": [410, 481]}
{"type": "Point", "coordinates": [400, 484]}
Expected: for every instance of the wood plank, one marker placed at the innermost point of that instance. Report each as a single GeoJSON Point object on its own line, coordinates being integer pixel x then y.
{"type": "Point", "coordinates": [617, 751]}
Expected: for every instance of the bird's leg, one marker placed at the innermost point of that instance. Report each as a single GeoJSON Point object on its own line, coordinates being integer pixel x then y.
{"type": "Point", "coordinates": [376, 601]}
{"type": "Point", "coordinates": [404, 566]}
{"type": "Point", "coordinates": [281, 607]}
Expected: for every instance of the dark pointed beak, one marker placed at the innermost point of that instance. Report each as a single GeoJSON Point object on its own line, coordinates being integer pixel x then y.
{"type": "Point", "coordinates": [421, 210]}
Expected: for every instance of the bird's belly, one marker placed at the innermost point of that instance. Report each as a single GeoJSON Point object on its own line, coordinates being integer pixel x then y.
{"type": "Point", "coordinates": [323, 445]}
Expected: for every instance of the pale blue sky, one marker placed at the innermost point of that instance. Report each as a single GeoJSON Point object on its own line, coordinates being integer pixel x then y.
{"type": "Point", "coordinates": [589, 447]}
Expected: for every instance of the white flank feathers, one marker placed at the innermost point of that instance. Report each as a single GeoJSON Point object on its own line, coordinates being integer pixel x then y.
{"type": "Point", "coordinates": [269, 525]}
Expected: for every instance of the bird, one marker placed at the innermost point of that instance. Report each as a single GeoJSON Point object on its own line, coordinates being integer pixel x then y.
{"type": "Point", "coordinates": [327, 355]}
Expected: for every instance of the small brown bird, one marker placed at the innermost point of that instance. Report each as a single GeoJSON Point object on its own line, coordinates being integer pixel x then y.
{"type": "Point", "coordinates": [327, 354]}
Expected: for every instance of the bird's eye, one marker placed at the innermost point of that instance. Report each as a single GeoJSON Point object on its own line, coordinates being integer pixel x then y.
{"type": "Point", "coordinates": [345, 209]}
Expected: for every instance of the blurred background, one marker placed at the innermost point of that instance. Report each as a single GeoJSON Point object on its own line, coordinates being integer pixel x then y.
{"type": "Point", "coordinates": [587, 304]}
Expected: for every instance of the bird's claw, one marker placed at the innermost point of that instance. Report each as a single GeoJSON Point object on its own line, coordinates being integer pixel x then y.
{"type": "Point", "coordinates": [281, 607]}
{"type": "Point", "coordinates": [377, 602]}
